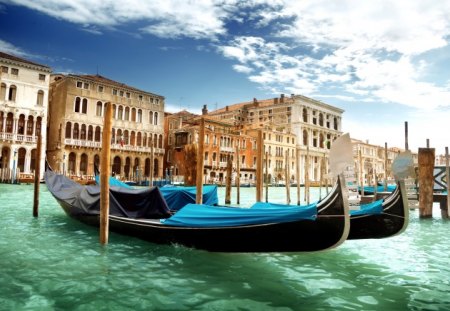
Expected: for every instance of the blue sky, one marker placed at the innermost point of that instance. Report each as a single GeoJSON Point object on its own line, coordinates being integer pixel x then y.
{"type": "Point", "coordinates": [383, 62]}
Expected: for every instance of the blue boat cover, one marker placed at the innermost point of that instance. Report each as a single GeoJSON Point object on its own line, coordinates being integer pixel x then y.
{"type": "Point", "coordinates": [197, 215]}
{"type": "Point", "coordinates": [370, 189]}
{"type": "Point", "coordinates": [277, 205]}
{"type": "Point", "coordinates": [113, 182]}
{"type": "Point", "coordinates": [177, 197]}
{"type": "Point", "coordinates": [373, 208]}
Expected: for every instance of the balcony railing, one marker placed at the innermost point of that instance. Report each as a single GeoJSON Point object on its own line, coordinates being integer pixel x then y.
{"type": "Point", "coordinates": [226, 149]}
{"type": "Point", "coordinates": [18, 138]}
{"type": "Point", "coordinates": [98, 144]}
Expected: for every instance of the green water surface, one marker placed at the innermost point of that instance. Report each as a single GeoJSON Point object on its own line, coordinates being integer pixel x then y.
{"type": "Point", "coordinates": [55, 263]}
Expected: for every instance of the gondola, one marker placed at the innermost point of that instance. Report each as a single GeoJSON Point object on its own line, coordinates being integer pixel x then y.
{"type": "Point", "coordinates": [143, 213]}
{"type": "Point", "coordinates": [370, 190]}
{"type": "Point", "coordinates": [383, 218]}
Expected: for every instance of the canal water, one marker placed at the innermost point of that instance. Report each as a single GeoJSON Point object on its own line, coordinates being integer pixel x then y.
{"type": "Point", "coordinates": [55, 263]}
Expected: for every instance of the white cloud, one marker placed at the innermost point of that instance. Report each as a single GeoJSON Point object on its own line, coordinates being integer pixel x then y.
{"type": "Point", "coordinates": [242, 68]}
{"type": "Point", "coordinates": [168, 19]}
{"type": "Point", "coordinates": [9, 48]}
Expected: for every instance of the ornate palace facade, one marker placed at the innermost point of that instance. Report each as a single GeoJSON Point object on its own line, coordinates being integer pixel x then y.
{"type": "Point", "coordinates": [23, 113]}
{"type": "Point", "coordinates": [76, 109]}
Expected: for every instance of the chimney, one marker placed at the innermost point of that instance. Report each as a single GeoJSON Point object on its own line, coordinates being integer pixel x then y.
{"type": "Point", "coordinates": [180, 122]}
{"type": "Point", "coordinates": [226, 108]}
{"type": "Point", "coordinates": [275, 100]}
{"type": "Point", "coordinates": [282, 98]}
{"type": "Point", "coordinates": [255, 100]}
{"type": "Point", "coordinates": [204, 110]}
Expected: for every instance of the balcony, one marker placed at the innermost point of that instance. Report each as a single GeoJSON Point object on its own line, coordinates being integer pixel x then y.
{"type": "Point", "coordinates": [226, 149]}
{"type": "Point", "coordinates": [18, 138]}
{"type": "Point", "coordinates": [97, 144]}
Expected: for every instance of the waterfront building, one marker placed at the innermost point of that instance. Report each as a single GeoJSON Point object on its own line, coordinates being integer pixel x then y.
{"type": "Point", "coordinates": [76, 110]}
{"type": "Point", "coordinates": [222, 141]}
{"type": "Point", "coordinates": [23, 114]}
{"type": "Point", "coordinates": [370, 161]}
{"type": "Point", "coordinates": [289, 123]}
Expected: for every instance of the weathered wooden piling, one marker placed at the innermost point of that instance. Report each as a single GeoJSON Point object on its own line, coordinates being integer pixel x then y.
{"type": "Point", "coordinates": [297, 172]}
{"type": "Point", "coordinates": [385, 166]}
{"type": "Point", "coordinates": [287, 179]}
{"type": "Point", "coordinates": [37, 176]}
{"type": "Point", "coordinates": [447, 178]}
{"type": "Point", "coordinates": [200, 156]}
{"type": "Point", "coordinates": [361, 172]}
{"type": "Point", "coordinates": [267, 176]}
{"type": "Point", "coordinates": [228, 181]}
{"type": "Point", "coordinates": [152, 155]}
{"type": "Point", "coordinates": [259, 166]}
{"type": "Point", "coordinates": [105, 169]}
{"type": "Point", "coordinates": [238, 175]}
{"type": "Point", "coordinates": [426, 182]}
{"type": "Point", "coordinates": [307, 176]}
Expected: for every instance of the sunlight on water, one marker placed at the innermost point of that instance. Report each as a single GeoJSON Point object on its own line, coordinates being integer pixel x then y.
{"type": "Point", "coordinates": [56, 263]}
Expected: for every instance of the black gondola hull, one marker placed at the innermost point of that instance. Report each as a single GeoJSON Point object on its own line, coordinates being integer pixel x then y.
{"type": "Point", "coordinates": [392, 221]}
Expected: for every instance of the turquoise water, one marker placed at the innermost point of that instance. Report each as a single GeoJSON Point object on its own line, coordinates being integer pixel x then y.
{"type": "Point", "coordinates": [55, 263]}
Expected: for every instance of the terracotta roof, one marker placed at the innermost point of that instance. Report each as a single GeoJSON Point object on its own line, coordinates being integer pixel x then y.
{"type": "Point", "coordinates": [103, 80]}
{"type": "Point", "coordinates": [18, 59]}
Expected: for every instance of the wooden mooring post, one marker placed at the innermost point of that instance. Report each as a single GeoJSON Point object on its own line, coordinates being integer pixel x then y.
{"type": "Point", "coordinates": [287, 179]}
{"type": "Point", "coordinates": [307, 197]}
{"type": "Point", "coordinates": [200, 157]}
{"type": "Point", "coordinates": [105, 172]}
{"type": "Point", "coordinates": [259, 166]}
{"type": "Point", "coordinates": [447, 178]}
{"type": "Point", "coordinates": [228, 181]}
{"type": "Point", "coordinates": [385, 166]}
{"type": "Point", "coordinates": [267, 176]}
{"type": "Point", "coordinates": [238, 175]}
{"type": "Point", "coordinates": [37, 176]}
{"type": "Point", "coordinates": [152, 155]}
{"type": "Point", "coordinates": [297, 172]}
{"type": "Point", "coordinates": [426, 182]}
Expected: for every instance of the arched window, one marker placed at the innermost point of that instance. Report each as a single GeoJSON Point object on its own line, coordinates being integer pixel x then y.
{"type": "Point", "coordinates": [12, 93]}
{"type": "Point", "coordinates": [120, 113]}
{"type": "Point", "coordinates": [117, 164]}
{"type": "Point", "coordinates": [114, 111]}
{"type": "Point", "coordinates": [119, 137]}
{"type": "Point", "coordinates": [84, 110]}
{"type": "Point", "coordinates": [127, 114]}
{"type": "Point", "coordinates": [155, 140]}
{"type": "Point", "coordinates": [160, 141]}
{"type": "Point", "coordinates": [320, 119]}
{"type": "Point", "coordinates": [40, 98]}
{"type": "Point", "coordinates": [30, 124]}
{"type": "Point", "coordinates": [305, 115]}
{"type": "Point", "coordinates": [75, 131]}
{"type": "Point", "coordinates": [9, 123]}
{"type": "Point", "coordinates": [77, 104]}
{"type": "Point", "coordinates": [139, 116]}
{"type": "Point", "coordinates": [90, 134]}
{"type": "Point", "coordinates": [321, 140]}
{"type": "Point", "coordinates": [83, 132]}
{"type": "Point", "coordinates": [68, 130]}
{"type": "Point", "coordinates": [133, 139]}
{"type": "Point", "coordinates": [3, 91]}
{"type": "Point", "coordinates": [155, 122]}
{"type": "Point", "coordinates": [97, 133]}
{"type": "Point", "coordinates": [139, 139]}
{"type": "Point", "coordinates": [126, 137]}
{"type": "Point", "coordinates": [305, 138]}
{"type": "Point", "coordinates": [133, 114]}
{"type": "Point", "coordinates": [98, 110]}
{"type": "Point", "coordinates": [144, 140]}
{"type": "Point", "coordinates": [150, 117]}
{"type": "Point", "coordinates": [83, 164]}
{"type": "Point", "coordinates": [21, 125]}
{"type": "Point", "coordinates": [335, 123]}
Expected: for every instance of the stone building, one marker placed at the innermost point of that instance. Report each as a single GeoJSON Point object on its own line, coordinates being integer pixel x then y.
{"type": "Point", "coordinates": [76, 109]}
{"type": "Point", "coordinates": [296, 122]}
{"type": "Point", "coordinates": [23, 113]}
{"type": "Point", "coordinates": [222, 141]}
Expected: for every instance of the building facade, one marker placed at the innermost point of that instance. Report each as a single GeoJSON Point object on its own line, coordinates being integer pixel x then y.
{"type": "Point", "coordinates": [296, 122]}
{"type": "Point", "coordinates": [76, 110]}
{"type": "Point", "coordinates": [223, 141]}
{"type": "Point", "coordinates": [23, 114]}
